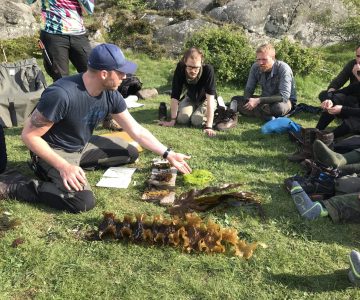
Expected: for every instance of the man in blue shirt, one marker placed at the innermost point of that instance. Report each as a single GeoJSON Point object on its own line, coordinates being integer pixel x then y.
{"type": "Point", "coordinates": [59, 134]}
{"type": "Point", "coordinates": [278, 93]}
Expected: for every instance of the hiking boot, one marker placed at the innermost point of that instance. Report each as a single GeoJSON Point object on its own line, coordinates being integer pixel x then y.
{"type": "Point", "coordinates": [314, 169]}
{"type": "Point", "coordinates": [111, 124]}
{"type": "Point", "coordinates": [312, 186]}
{"type": "Point", "coordinates": [305, 150]}
{"type": "Point", "coordinates": [295, 137]}
{"type": "Point", "coordinates": [326, 137]}
{"type": "Point", "coordinates": [230, 120]}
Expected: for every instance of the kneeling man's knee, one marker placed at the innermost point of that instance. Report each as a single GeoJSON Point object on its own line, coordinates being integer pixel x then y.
{"type": "Point", "coordinates": [83, 201]}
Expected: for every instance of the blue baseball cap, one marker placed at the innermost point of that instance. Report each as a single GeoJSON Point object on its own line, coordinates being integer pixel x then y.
{"type": "Point", "coordinates": [109, 57]}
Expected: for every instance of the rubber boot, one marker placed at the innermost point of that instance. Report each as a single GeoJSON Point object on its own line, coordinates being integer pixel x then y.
{"type": "Point", "coordinates": [305, 151]}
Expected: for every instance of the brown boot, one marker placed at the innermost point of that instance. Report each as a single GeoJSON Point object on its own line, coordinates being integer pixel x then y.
{"type": "Point", "coordinates": [305, 150]}
{"type": "Point", "coordinates": [111, 124]}
{"type": "Point", "coordinates": [230, 120]}
{"type": "Point", "coordinates": [326, 137]}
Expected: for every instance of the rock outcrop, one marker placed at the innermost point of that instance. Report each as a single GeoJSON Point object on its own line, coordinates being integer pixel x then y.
{"type": "Point", "coordinates": [16, 20]}
{"type": "Point", "coordinates": [262, 20]}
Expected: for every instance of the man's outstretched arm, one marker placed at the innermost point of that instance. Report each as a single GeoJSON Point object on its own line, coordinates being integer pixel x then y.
{"type": "Point", "coordinates": [150, 142]}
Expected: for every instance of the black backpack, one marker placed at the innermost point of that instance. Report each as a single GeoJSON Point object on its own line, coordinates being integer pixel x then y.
{"type": "Point", "coordinates": [130, 85]}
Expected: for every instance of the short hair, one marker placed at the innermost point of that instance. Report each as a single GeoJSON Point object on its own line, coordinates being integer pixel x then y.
{"type": "Point", "coordinates": [192, 53]}
{"type": "Point", "coordinates": [266, 48]}
{"type": "Point", "coordinates": [92, 70]}
{"type": "Point", "coordinates": [357, 47]}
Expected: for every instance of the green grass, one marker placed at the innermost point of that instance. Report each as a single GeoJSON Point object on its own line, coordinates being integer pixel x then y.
{"type": "Point", "coordinates": [303, 260]}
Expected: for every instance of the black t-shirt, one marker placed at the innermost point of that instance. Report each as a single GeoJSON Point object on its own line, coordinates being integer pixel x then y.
{"type": "Point", "coordinates": [196, 92]}
{"type": "Point", "coordinates": [74, 112]}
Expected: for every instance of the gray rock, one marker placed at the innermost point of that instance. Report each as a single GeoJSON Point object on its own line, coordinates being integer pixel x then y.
{"type": "Point", "coordinates": [277, 19]}
{"type": "Point", "coordinates": [196, 5]}
{"type": "Point", "coordinates": [16, 20]}
{"type": "Point", "coordinates": [147, 93]}
{"type": "Point", "coordinates": [175, 35]}
{"type": "Point", "coordinates": [157, 21]}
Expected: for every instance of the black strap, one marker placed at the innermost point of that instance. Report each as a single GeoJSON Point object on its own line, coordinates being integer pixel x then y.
{"type": "Point", "coordinates": [13, 114]}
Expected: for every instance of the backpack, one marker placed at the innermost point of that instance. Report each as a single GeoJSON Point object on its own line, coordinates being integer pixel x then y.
{"type": "Point", "coordinates": [130, 85]}
{"type": "Point", "coordinates": [21, 86]}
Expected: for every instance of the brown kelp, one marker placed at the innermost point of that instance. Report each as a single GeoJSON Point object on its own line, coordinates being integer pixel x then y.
{"type": "Point", "coordinates": [190, 233]}
{"type": "Point", "coordinates": [197, 200]}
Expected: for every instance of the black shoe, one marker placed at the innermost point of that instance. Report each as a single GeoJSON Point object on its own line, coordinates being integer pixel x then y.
{"type": "Point", "coordinates": [8, 183]}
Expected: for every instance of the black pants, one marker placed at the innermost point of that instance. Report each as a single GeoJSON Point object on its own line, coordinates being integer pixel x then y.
{"type": "Point", "coordinates": [348, 125]}
{"type": "Point", "coordinates": [61, 49]}
{"type": "Point", "coordinates": [101, 151]}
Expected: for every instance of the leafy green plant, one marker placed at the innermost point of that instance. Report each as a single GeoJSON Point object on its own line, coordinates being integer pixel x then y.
{"type": "Point", "coordinates": [198, 177]}
{"type": "Point", "coordinates": [129, 4]}
{"type": "Point", "coordinates": [20, 48]}
{"type": "Point", "coordinates": [303, 61]}
{"type": "Point", "coordinates": [227, 49]}
{"type": "Point", "coordinates": [129, 31]}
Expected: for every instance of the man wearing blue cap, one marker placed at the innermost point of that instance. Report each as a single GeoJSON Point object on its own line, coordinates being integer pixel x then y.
{"type": "Point", "coordinates": [59, 135]}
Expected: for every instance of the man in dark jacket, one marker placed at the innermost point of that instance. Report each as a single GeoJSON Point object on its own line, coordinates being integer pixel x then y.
{"type": "Point", "coordinates": [342, 102]}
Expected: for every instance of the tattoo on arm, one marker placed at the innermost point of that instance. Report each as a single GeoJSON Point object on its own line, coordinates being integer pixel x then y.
{"type": "Point", "coordinates": [38, 120]}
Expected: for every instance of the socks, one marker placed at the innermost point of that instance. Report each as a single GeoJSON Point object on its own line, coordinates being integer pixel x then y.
{"type": "Point", "coordinates": [327, 157]}
{"type": "Point", "coordinates": [306, 207]}
{"type": "Point", "coordinates": [354, 273]}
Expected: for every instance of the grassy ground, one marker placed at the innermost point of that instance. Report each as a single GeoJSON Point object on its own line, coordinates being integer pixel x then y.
{"type": "Point", "coordinates": [303, 260]}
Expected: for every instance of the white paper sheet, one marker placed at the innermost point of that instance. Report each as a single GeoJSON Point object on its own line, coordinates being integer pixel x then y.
{"type": "Point", "coordinates": [116, 177]}
{"type": "Point", "coordinates": [131, 101]}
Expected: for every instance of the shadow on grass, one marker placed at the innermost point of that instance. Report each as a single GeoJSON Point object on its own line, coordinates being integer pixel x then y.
{"type": "Point", "coordinates": [145, 116]}
{"type": "Point", "coordinates": [336, 281]}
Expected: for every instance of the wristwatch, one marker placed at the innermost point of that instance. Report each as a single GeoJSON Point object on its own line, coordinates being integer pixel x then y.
{"type": "Point", "coordinates": [166, 153]}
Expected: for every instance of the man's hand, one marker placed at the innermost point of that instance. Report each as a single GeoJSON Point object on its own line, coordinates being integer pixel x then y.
{"type": "Point", "coordinates": [356, 70]}
{"type": "Point", "coordinates": [74, 177]}
{"type": "Point", "coordinates": [325, 105]}
{"type": "Point", "coordinates": [178, 161]}
{"type": "Point", "coordinates": [252, 103]}
{"type": "Point", "coordinates": [335, 110]}
{"type": "Point", "coordinates": [167, 123]}
{"type": "Point", "coordinates": [210, 132]}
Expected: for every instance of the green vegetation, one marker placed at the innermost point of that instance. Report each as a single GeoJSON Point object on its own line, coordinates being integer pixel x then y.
{"type": "Point", "coordinates": [227, 49]}
{"type": "Point", "coordinates": [303, 61]}
{"type": "Point", "coordinates": [19, 48]}
{"type": "Point", "coordinates": [304, 260]}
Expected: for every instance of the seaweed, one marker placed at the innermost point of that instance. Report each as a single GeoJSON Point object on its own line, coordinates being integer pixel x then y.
{"type": "Point", "coordinates": [212, 196]}
{"type": "Point", "coordinates": [190, 233]}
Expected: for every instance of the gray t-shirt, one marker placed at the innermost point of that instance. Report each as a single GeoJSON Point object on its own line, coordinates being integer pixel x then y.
{"type": "Point", "coordinates": [75, 113]}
